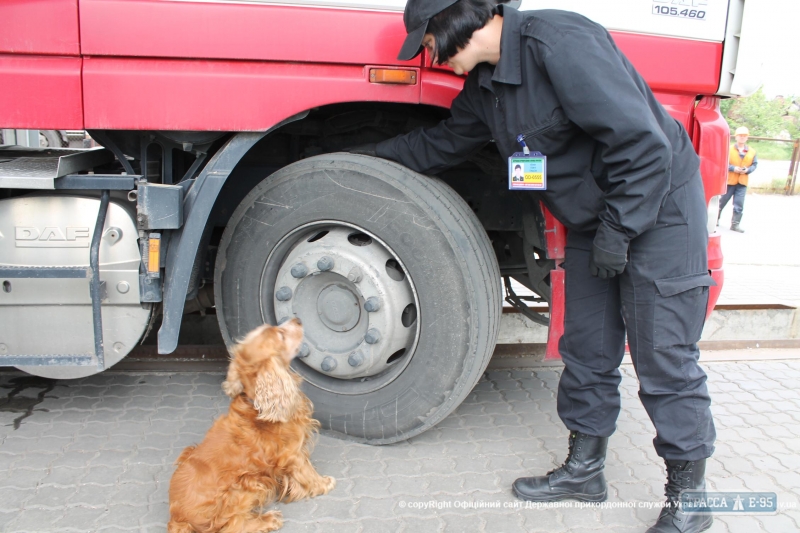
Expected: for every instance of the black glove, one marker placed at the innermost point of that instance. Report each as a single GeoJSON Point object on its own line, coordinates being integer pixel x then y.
{"type": "Point", "coordinates": [605, 265]}
{"type": "Point", "coordinates": [363, 149]}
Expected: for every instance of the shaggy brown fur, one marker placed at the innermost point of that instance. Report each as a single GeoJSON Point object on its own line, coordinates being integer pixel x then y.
{"type": "Point", "coordinates": [256, 453]}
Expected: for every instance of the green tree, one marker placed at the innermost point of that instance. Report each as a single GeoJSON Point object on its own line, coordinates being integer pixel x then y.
{"type": "Point", "coordinates": [726, 105]}
{"type": "Point", "coordinates": [764, 118]}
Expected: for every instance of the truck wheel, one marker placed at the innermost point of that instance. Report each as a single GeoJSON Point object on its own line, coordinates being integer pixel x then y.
{"type": "Point", "coordinates": [393, 277]}
{"type": "Point", "coordinates": [49, 139]}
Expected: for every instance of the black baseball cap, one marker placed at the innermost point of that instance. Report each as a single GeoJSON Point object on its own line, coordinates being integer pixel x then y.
{"type": "Point", "coordinates": [416, 17]}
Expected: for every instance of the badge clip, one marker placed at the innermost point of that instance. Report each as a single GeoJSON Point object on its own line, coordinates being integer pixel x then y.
{"type": "Point", "coordinates": [521, 141]}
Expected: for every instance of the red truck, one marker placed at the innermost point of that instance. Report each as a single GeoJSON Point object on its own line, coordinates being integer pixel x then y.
{"type": "Point", "coordinates": [221, 183]}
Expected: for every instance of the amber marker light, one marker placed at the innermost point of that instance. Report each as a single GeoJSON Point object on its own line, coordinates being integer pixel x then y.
{"type": "Point", "coordinates": [154, 253]}
{"type": "Point", "coordinates": [394, 76]}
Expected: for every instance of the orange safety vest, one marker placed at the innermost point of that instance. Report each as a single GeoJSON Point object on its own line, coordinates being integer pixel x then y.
{"type": "Point", "coordinates": [738, 161]}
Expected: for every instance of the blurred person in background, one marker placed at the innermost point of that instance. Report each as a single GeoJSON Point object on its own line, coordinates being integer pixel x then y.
{"type": "Point", "coordinates": [743, 161]}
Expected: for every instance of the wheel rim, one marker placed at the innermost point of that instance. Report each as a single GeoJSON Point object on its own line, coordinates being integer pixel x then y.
{"type": "Point", "coordinates": [357, 302]}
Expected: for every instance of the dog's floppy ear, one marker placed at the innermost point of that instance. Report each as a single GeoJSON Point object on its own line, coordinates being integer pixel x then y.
{"type": "Point", "coordinates": [232, 386]}
{"type": "Point", "coordinates": [276, 395]}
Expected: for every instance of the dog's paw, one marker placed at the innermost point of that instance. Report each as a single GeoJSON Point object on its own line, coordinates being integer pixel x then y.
{"type": "Point", "coordinates": [328, 483]}
{"type": "Point", "coordinates": [270, 521]}
{"type": "Point", "coordinates": [232, 388]}
{"type": "Point", "coordinates": [322, 485]}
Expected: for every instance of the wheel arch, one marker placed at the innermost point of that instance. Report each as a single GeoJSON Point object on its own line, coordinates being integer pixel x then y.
{"type": "Point", "coordinates": [204, 208]}
{"type": "Point", "coordinates": [213, 197]}
{"type": "Point", "coordinates": [185, 241]}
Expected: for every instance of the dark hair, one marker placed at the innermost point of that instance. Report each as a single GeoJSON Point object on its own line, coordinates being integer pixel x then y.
{"type": "Point", "coordinates": [452, 28]}
{"type": "Point", "coordinates": [517, 167]}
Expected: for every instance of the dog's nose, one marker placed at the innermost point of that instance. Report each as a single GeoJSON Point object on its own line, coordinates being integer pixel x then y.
{"type": "Point", "coordinates": [299, 322]}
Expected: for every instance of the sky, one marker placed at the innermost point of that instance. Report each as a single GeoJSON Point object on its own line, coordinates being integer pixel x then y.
{"type": "Point", "coordinates": [781, 71]}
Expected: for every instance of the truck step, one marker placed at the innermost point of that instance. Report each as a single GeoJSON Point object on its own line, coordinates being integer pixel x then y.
{"type": "Point", "coordinates": [51, 273]}
{"type": "Point", "coordinates": [35, 168]}
{"type": "Point", "coordinates": [47, 360]}
{"type": "Point", "coordinates": [42, 272]}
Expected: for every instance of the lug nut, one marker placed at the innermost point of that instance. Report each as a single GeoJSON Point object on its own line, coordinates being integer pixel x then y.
{"type": "Point", "coordinates": [372, 304]}
{"type": "Point", "coordinates": [356, 359]}
{"type": "Point", "coordinates": [284, 294]}
{"type": "Point", "coordinates": [325, 264]}
{"type": "Point", "coordinates": [355, 275]}
{"type": "Point", "coordinates": [328, 364]}
{"type": "Point", "coordinates": [372, 336]}
{"type": "Point", "coordinates": [300, 270]}
{"type": "Point", "coordinates": [303, 351]}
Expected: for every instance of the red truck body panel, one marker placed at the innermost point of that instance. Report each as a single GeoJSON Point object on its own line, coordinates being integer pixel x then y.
{"type": "Point", "coordinates": [259, 32]}
{"type": "Point", "coordinates": [711, 138]}
{"type": "Point", "coordinates": [41, 92]}
{"type": "Point", "coordinates": [44, 27]}
{"type": "Point", "coordinates": [258, 56]}
{"type": "Point", "coordinates": [178, 94]}
{"type": "Point", "coordinates": [40, 65]}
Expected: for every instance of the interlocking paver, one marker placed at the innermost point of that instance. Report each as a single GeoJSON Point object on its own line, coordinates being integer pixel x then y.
{"type": "Point", "coordinates": [101, 456]}
{"type": "Point", "coordinates": [37, 460]}
{"type": "Point", "coordinates": [457, 434]}
{"type": "Point", "coordinates": [51, 496]}
{"type": "Point", "coordinates": [337, 469]}
{"type": "Point", "coordinates": [744, 524]}
{"type": "Point", "coordinates": [445, 484]}
{"type": "Point", "coordinates": [121, 517]}
{"type": "Point", "coordinates": [12, 499]}
{"type": "Point", "coordinates": [91, 495]}
{"type": "Point", "coordinates": [24, 478]}
{"type": "Point", "coordinates": [33, 520]}
{"type": "Point", "coordinates": [370, 486]}
{"type": "Point", "coordinates": [132, 493]}
{"type": "Point", "coordinates": [376, 507]}
{"type": "Point", "coordinates": [537, 520]}
{"type": "Point", "coordinates": [481, 482]}
{"type": "Point", "coordinates": [400, 486]}
{"type": "Point", "coordinates": [369, 468]}
{"type": "Point", "coordinates": [79, 517]}
{"type": "Point", "coordinates": [416, 524]}
{"type": "Point", "coordinates": [459, 523]}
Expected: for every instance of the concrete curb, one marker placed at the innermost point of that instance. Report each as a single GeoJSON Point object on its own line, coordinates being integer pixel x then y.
{"type": "Point", "coordinates": [214, 358]}
{"type": "Point", "coordinates": [505, 362]}
{"type": "Point", "coordinates": [750, 323]}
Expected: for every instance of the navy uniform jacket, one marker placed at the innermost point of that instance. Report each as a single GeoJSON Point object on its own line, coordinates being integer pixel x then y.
{"type": "Point", "coordinates": [613, 152]}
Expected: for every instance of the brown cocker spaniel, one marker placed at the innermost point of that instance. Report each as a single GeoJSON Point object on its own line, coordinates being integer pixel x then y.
{"type": "Point", "coordinates": [258, 452]}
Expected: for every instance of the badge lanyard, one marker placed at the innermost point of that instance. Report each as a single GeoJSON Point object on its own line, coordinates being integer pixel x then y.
{"type": "Point", "coordinates": [527, 171]}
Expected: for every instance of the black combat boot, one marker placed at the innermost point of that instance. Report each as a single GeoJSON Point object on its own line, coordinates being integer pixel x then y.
{"type": "Point", "coordinates": [737, 218]}
{"type": "Point", "coordinates": [682, 475]}
{"type": "Point", "coordinates": [579, 478]}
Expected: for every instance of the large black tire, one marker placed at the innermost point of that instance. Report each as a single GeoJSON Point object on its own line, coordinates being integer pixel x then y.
{"type": "Point", "coordinates": [443, 249]}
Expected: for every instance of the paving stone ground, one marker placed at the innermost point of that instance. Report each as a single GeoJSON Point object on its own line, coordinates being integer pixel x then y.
{"type": "Point", "coordinates": [97, 454]}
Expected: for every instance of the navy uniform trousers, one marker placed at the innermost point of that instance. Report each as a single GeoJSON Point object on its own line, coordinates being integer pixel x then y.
{"type": "Point", "coordinates": [660, 300]}
{"type": "Point", "coordinates": [738, 192]}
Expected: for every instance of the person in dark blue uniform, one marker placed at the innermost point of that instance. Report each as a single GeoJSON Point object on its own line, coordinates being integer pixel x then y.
{"type": "Point", "coordinates": [623, 177]}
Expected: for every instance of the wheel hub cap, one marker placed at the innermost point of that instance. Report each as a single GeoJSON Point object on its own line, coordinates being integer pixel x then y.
{"type": "Point", "coordinates": [338, 308]}
{"type": "Point", "coordinates": [351, 296]}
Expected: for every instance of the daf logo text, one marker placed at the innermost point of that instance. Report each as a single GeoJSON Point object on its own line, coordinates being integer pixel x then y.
{"type": "Point", "coordinates": [51, 237]}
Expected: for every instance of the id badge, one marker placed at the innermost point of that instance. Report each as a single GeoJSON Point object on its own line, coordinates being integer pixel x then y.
{"type": "Point", "coordinates": [527, 172]}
